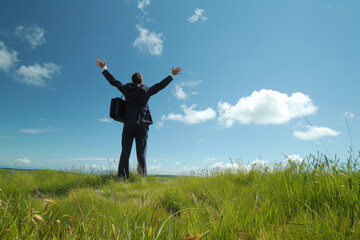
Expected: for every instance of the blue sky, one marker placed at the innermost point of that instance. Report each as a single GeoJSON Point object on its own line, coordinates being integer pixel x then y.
{"type": "Point", "coordinates": [251, 71]}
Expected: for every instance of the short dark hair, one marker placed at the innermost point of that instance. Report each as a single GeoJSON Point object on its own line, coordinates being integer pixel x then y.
{"type": "Point", "coordinates": [136, 78]}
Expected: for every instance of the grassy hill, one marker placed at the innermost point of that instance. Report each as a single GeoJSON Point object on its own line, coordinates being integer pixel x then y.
{"type": "Point", "coordinates": [317, 200]}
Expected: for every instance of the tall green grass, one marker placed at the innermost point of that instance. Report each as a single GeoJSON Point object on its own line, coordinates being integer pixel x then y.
{"type": "Point", "coordinates": [318, 199]}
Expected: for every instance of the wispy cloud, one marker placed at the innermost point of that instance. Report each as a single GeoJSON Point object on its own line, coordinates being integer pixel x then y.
{"type": "Point", "coordinates": [191, 84]}
{"type": "Point", "coordinates": [90, 159]}
{"type": "Point", "coordinates": [148, 41]}
{"type": "Point", "coordinates": [82, 159]}
{"type": "Point", "coordinates": [37, 74]}
{"type": "Point", "coordinates": [198, 140]}
{"type": "Point", "coordinates": [179, 92]}
{"type": "Point", "coordinates": [38, 130]}
{"type": "Point", "coordinates": [105, 120]}
{"type": "Point", "coordinates": [266, 107]}
{"type": "Point", "coordinates": [349, 115]}
{"type": "Point", "coordinates": [34, 35]}
{"type": "Point", "coordinates": [177, 169]}
{"type": "Point", "coordinates": [209, 159]}
{"type": "Point", "coordinates": [198, 15]}
{"type": "Point", "coordinates": [155, 168]}
{"type": "Point", "coordinates": [142, 4]}
{"type": "Point", "coordinates": [293, 159]}
{"type": "Point", "coordinates": [24, 160]}
{"type": "Point", "coordinates": [258, 164]}
{"type": "Point", "coordinates": [223, 166]}
{"type": "Point", "coordinates": [191, 116]}
{"type": "Point", "coordinates": [314, 133]}
{"type": "Point", "coordinates": [96, 167]}
{"type": "Point", "coordinates": [8, 58]}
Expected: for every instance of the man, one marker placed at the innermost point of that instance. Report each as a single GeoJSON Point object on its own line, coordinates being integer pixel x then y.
{"type": "Point", "coordinates": [137, 116]}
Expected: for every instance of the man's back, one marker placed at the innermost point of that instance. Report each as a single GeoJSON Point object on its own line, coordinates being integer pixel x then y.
{"type": "Point", "coordinates": [137, 96]}
{"type": "Point", "coordinates": [137, 116]}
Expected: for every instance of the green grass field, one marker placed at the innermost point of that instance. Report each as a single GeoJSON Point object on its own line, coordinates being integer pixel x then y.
{"type": "Point", "coordinates": [318, 199]}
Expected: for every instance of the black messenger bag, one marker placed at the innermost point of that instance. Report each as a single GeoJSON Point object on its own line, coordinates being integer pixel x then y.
{"type": "Point", "coordinates": [117, 109]}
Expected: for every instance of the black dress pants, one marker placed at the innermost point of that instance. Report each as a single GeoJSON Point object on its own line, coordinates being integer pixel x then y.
{"type": "Point", "coordinates": [140, 133]}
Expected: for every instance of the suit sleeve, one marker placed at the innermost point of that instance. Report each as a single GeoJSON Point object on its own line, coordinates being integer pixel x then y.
{"type": "Point", "coordinates": [159, 86]}
{"type": "Point", "coordinates": [113, 81]}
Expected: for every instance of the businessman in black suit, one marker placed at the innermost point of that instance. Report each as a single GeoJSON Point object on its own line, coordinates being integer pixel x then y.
{"type": "Point", "coordinates": [137, 116]}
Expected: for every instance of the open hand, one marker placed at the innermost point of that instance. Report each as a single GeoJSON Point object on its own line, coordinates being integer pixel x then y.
{"type": "Point", "coordinates": [176, 71]}
{"type": "Point", "coordinates": [100, 63]}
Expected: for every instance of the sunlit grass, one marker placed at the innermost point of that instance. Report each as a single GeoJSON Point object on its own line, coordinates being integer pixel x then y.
{"type": "Point", "coordinates": [318, 199]}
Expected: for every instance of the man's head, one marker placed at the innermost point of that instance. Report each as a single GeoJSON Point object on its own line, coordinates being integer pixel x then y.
{"type": "Point", "coordinates": [137, 78]}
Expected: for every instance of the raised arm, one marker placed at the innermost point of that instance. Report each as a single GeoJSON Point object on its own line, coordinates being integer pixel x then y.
{"type": "Point", "coordinates": [161, 85]}
{"type": "Point", "coordinates": [113, 81]}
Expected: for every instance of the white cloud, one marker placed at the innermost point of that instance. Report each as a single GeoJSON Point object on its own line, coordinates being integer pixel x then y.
{"type": "Point", "coordinates": [191, 115]}
{"type": "Point", "coordinates": [37, 74]}
{"type": "Point", "coordinates": [24, 160]}
{"type": "Point", "coordinates": [90, 159]}
{"type": "Point", "coordinates": [209, 159]}
{"type": "Point", "coordinates": [179, 92]}
{"type": "Point", "coordinates": [148, 41]}
{"type": "Point", "coordinates": [160, 159]}
{"type": "Point", "coordinates": [177, 169]}
{"type": "Point", "coordinates": [266, 107]}
{"type": "Point", "coordinates": [149, 20]}
{"type": "Point", "coordinates": [222, 166]}
{"type": "Point", "coordinates": [191, 83]}
{"type": "Point", "coordinates": [197, 15]}
{"type": "Point", "coordinates": [349, 115]}
{"type": "Point", "coordinates": [8, 58]}
{"type": "Point", "coordinates": [142, 4]}
{"type": "Point", "coordinates": [198, 140]}
{"type": "Point", "coordinates": [155, 168]}
{"type": "Point", "coordinates": [105, 120]}
{"type": "Point", "coordinates": [314, 133]}
{"type": "Point", "coordinates": [293, 159]}
{"type": "Point", "coordinates": [34, 35]}
{"type": "Point", "coordinates": [258, 164]}
{"type": "Point", "coordinates": [36, 131]}
{"type": "Point", "coordinates": [95, 167]}
{"type": "Point", "coordinates": [109, 160]}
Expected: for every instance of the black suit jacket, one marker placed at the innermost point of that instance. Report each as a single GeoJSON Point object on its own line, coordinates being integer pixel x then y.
{"type": "Point", "coordinates": [137, 96]}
